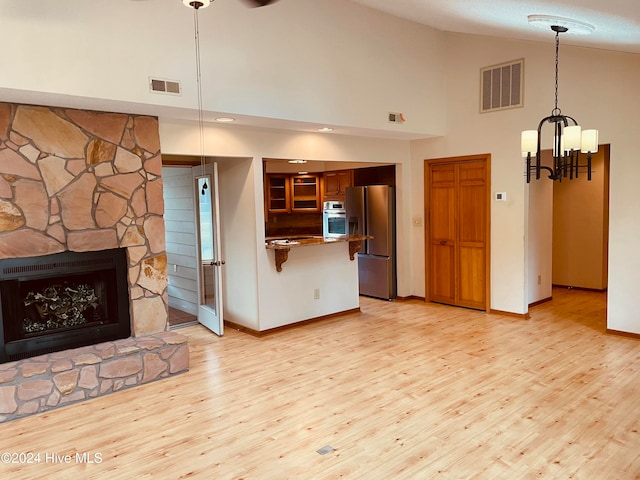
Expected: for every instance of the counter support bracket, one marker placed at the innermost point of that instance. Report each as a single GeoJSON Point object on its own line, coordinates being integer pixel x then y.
{"type": "Point", "coordinates": [354, 247]}
{"type": "Point", "coordinates": [282, 254]}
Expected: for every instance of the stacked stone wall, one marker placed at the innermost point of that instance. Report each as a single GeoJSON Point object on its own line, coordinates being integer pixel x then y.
{"type": "Point", "coordinates": [76, 180]}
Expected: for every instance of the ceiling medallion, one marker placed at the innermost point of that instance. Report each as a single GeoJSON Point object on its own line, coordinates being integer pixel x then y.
{"type": "Point", "coordinates": [575, 27]}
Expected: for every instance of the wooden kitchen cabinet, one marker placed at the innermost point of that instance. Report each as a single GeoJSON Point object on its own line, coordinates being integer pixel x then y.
{"type": "Point", "coordinates": [278, 194]}
{"type": "Point", "coordinates": [293, 193]}
{"type": "Point", "coordinates": [305, 193]}
{"type": "Point", "coordinates": [335, 184]}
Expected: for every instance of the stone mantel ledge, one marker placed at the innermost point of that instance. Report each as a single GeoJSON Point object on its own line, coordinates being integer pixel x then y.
{"type": "Point", "coordinates": [49, 381]}
{"type": "Point", "coordinates": [283, 245]}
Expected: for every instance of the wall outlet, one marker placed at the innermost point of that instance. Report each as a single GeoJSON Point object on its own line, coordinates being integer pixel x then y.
{"type": "Point", "coordinates": [316, 294]}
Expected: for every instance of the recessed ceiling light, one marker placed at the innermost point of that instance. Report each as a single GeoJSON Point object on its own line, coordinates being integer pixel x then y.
{"type": "Point", "coordinates": [297, 161]}
{"type": "Point", "coordinates": [575, 27]}
{"type": "Point", "coordinates": [225, 119]}
{"type": "Point", "coordinates": [325, 129]}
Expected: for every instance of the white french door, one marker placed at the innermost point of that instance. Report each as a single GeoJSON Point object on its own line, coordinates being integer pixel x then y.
{"type": "Point", "coordinates": [209, 258]}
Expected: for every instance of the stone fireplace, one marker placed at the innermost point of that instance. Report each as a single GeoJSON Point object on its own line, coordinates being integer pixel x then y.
{"type": "Point", "coordinates": [83, 181]}
{"type": "Point", "coordinates": [60, 301]}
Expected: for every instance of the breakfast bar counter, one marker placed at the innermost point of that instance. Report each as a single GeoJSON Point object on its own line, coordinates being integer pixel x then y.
{"type": "Point", "coordinates": [282, 245]}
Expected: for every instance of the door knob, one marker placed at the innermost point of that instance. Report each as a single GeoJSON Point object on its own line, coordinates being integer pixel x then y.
{"type": "Point", "coordinates": [218, 263]}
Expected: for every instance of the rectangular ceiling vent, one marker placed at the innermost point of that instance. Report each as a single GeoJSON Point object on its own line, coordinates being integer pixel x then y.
{"type": "Point", "coordinates": [161, 85]}
{"type": "Point", "coordinates": [501, 86]}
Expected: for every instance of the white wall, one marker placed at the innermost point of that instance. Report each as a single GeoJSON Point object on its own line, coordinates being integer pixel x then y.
{"type": "Point", "coordinates": [327, 62]}
{"type": "Point", "coordinates": [335, 62]}
{"type": "Point", "coordinates": [179, 219]}
{"type": "Point", "coordinates": [468, 133]}
{"type": "Point", "coordinates": [288, 296]}
{"type": "Point", "coordinates": [539, 240]}
{"type": "Point", "coordinates": [599, 89]}
{"type": "Point", "coordinates": [238, 225]}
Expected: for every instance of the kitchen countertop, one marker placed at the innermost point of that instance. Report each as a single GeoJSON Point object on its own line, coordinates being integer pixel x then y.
{"type": "Point", "coordinates": [282, 245]}
{"type": "Point", "coordinates": [305, 240]}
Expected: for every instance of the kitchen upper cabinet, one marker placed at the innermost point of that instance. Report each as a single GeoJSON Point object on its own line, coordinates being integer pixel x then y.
{"type": "Point", "coordinates": [335, 184]}
{"type": "Point", "coordinates": [305, 193]}
{"type": "Point", "coordinates": [293, 193]}
{"type": "Point", "coordinates": [278, 193]}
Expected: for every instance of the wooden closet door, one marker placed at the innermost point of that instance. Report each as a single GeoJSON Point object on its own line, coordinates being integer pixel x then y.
{"type": "Point", "coordinates": [442, 225]}
{"type": "Point", "coordinates": [457, 209]}
{"type": "Point", "coordinates": [472, 234]}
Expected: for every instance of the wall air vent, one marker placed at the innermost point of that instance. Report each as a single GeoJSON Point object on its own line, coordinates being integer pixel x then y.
{"type": "Point", "coordinates": [501, 86]}
{"type": "Point", "coordinates": [160, 85]}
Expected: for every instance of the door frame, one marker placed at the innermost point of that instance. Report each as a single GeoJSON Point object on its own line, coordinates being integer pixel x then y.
{"type": "Point", "coordinates": [486, 158]}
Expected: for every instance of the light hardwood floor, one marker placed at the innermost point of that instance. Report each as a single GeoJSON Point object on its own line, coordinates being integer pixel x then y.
{"type": "Point", "coordinates": [403, 390]}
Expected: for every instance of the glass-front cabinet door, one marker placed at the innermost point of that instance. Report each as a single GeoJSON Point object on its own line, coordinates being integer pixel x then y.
{"type": "Point", "coordinates": [305, 195]}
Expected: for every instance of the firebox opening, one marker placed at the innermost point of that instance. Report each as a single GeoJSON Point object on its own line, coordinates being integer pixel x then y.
{"type": "Point", "coordinates": [61, 301]}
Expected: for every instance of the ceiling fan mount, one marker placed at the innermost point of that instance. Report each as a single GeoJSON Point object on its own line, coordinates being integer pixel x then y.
{"type": "Point", "coordinates": [260, 3]}
{"type": "Point", "coordinates": [197, 4]}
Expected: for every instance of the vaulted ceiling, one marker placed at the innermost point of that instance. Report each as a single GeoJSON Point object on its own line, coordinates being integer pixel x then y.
{"type": "Point", "coordinates": [616, 22]}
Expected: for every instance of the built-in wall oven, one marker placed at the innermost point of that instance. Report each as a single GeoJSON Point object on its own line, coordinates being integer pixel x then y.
{"type": "Point", "coordinates": [334, 219]}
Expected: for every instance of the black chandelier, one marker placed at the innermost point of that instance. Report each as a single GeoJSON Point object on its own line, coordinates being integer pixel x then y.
{"type": "Point", "coordinates": [568, 141]}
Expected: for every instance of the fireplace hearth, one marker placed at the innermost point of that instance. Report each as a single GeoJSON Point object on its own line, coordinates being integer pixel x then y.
{"type": "Point", "coordinates": [61, 301]}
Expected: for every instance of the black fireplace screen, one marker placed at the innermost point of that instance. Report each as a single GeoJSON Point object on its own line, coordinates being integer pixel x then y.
{"type": "Point", "coordinates": [61, 301]}
{"type": "Point", "coordinates": [53, 305]}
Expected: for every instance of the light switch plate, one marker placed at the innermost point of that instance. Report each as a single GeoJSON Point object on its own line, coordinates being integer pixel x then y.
{"type": "Point", "coordinates": [501, 196]}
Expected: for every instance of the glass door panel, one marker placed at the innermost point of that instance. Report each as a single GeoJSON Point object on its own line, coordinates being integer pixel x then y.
{"type": "Point", "coordinates": [209, 253]}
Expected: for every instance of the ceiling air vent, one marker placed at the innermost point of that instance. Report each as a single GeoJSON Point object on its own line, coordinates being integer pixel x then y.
{"type": "Point", "coordinates": [501, 86]}
{"type": "Point", "coordinates": [160, 85]}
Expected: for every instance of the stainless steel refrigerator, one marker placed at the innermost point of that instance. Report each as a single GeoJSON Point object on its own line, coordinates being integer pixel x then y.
{"type": "Point", "coordinates": [371, 211]}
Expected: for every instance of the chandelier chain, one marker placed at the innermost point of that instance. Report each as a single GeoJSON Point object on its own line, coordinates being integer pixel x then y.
{"type": "Point", "coordinates": [556, 110]}
{"type": "Point", "coordinates": [199, 86]}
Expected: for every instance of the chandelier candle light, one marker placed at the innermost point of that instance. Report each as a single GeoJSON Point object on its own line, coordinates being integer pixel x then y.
{"type": "Point", "coordinates": [569, 139]}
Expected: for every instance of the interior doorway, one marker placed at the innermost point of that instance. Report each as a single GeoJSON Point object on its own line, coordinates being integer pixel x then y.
{"type": "Point", "coordinates": [179, 319]}
{"type": "Point", "coordinates": [568, 231]}
{"type": "Point", "coordinates": [238, 233]}
{"type": "Point", "coordinates": [580, 237]}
